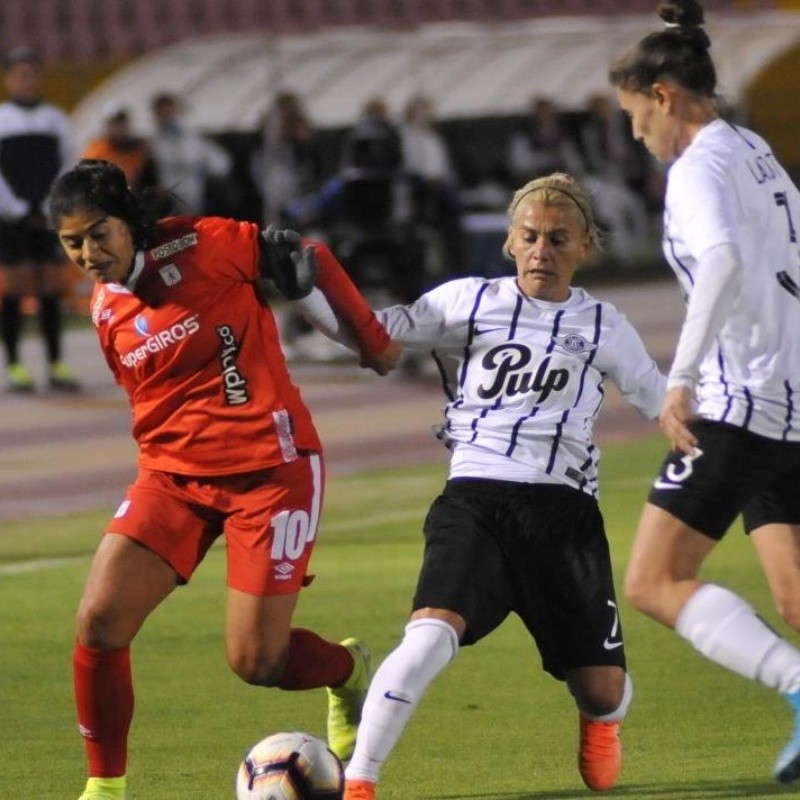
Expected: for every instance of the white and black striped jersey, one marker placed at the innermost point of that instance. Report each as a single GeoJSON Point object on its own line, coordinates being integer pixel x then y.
{"type": "Point", "coordinates": [35, 147]}
{"type": "Point", "coordinates": [524, 377]}
{"type": "Point", "coordinates": [728, 188]}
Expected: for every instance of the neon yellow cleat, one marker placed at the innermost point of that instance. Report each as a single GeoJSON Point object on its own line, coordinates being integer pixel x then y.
{"type": "Point", "coordinates": [62, 379]}
{"type": "Point", "coordinates": [104, 789]}
{"type": "Point", "coordinates": [345, 701]}
{"type": "Point", "coordinates": [18, 379]}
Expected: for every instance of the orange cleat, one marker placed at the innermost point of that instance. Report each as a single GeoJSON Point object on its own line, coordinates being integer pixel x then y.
{"type": "Point", "coordinates": [600, 754]}
{"type": "Point", "coordinates": [359, 790]}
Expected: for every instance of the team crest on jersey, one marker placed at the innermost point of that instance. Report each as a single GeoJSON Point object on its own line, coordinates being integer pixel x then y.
{"type": "Point", "coordinates": [574, 343]}
{"type": "Point", "coordinates": [141, 325]}
{"type": "Point", "coordinates": [170, 274]}
{"type": "Point", "coordinates": [175, 246]}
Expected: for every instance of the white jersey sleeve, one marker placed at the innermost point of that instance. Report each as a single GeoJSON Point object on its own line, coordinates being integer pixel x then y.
{"type": "Point", "coordinates": [624, 358]}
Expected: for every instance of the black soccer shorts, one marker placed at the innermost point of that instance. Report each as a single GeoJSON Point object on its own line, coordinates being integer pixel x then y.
{"type": "Point", "coordinates": [733, 471]}
{"type": "Point", "coordinates": [539, 550]}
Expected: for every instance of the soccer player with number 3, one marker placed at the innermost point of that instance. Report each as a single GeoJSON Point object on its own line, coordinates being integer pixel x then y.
{"type": "Point", "coordinates": [226, 445]}
{"type": "Point", "coordinates": [731, 235]}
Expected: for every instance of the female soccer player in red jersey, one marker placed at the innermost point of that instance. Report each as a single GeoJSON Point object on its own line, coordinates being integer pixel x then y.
{"type": "Point", "coordinates": [226, 445]}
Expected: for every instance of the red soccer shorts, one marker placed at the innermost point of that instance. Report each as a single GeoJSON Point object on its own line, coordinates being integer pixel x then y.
{"type": "Point", "coordinates": [270, 519]}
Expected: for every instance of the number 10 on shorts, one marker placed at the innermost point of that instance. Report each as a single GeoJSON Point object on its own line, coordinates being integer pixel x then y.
{"type": "Point", "coordinates": [291, 532]}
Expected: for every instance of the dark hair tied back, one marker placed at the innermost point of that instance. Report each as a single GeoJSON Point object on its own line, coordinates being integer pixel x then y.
{"type": "Point", "coordinates": [678, 53]}
{"type": "Point", "coordinates": [685, 18]}
{"type": "Point", "coordinates": [95, 183]}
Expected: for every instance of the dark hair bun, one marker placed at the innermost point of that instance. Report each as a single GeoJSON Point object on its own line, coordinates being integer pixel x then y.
{"type": "Point", "coordinates": [686, 18]}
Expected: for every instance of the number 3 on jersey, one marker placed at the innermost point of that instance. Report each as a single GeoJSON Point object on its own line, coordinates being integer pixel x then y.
{"type": "Point", "coordinates": [675, 474]}
{"type": "Point", "coordinates": [291, 532]}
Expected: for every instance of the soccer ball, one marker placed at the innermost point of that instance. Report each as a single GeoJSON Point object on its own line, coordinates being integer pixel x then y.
{"type": "Point", "coordinates": [290, 766]}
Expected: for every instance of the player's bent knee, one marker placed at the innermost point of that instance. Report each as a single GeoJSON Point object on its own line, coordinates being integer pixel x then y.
{"type": "Point", "coordinates": [100, 628]}
{"type": "Point", "coordinates": [599, 691]}
{"type": "Point", "coordinates": [638, 592]}
{"type": "Point", "coordinates": [600, 702]}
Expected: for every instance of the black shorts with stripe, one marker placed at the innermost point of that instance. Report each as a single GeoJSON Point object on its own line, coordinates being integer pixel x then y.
{"type": "Point", "coordinates": [732, 471]}
{"type": "Point", "coordinates": [539, 550]}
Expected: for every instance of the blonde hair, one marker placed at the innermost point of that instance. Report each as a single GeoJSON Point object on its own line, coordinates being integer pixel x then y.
{"type": "Point", "coordinates": [557, 189]}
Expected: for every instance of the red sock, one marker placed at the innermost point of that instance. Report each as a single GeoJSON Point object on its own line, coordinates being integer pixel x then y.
{"type": "Point", "coordinates": [104, 699]}
{"type": "Point", "coordinates": [314, 662]}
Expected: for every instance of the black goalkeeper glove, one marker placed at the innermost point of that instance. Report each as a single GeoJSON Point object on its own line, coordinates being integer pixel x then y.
{"type": "Point", "coordinates": [292, 268]}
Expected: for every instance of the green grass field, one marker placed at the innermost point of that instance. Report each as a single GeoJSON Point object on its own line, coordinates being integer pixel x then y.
{"type": "Point", "coordinates": [492, 727]}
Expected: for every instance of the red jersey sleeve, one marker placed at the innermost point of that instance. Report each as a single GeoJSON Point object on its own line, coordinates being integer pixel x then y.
{"type": "Point", "coordinates": [348, 302]}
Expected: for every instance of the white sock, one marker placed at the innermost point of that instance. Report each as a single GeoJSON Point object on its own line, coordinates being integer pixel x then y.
{"type": "Point", "coordinates": [618, 714]}
{"type": "Point", "coordinates": [428, 646]}
{"type": "Point", "coordinates": [726, 629]}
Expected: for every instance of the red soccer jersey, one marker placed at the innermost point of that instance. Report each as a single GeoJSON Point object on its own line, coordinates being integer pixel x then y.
{"type": "Point", "coordinates": [200, 356]}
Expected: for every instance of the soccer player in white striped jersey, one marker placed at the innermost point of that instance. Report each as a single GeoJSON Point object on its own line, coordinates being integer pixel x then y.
{"type": "Point", "coordinates": [730, 234]}
{"type": "Point", "coordinates": [524, 360]}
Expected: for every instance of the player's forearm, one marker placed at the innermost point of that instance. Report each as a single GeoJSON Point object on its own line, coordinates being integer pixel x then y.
{"type": "Point", "coordinates": [317, 311]}
{"type": "Point", "coordinates": [713, 296]}
{"type": "Point", "coordinates": [348, 304]}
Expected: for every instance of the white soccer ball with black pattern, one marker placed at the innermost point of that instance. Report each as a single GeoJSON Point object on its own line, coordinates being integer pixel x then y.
{"type": "Point", "coordinates": [290, 766]}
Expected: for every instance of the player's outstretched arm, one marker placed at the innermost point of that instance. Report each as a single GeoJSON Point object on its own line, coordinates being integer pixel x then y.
{"type": "Point", "coordinates": [309, 276]}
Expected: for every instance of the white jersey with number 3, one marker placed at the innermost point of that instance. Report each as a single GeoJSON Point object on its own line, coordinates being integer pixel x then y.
{"type": "Point", "coordinates": [524, 377]}
{"type": "Point", "coordinates": [728, 188]}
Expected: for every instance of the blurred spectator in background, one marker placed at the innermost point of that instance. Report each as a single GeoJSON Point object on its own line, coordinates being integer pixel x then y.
{"type": "Point", "coordinates": [424, 150]}
{"type": "Point", "coordinates": [374, 140]}
{"type": "Point", "coordinates": [366, 214]}
{"type": "Point", "coordinates": [119, 145]}
{"type": "Point", "coordinates": [608, 147]}
{"type": "Point", "coordinates": [617, 176]}
{"type": "Point", "coordinates": [35, 146]}
{"type": "Point", "coordinates": [543, 146]}
{"type": "Point", "coordinates": [287, 165]}
{"type": "Point", "coordinates": [367, 209]}
{"type": "Point", "coordinates": [186, 160]}
{"type": "Point", "coordinates": [435, 187]}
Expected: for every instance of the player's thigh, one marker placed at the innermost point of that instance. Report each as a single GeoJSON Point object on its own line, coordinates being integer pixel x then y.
{"type": "Point", "coordinates": [560, 568]}
{"type": "Point", "coordinates": [665, 549]}
{"type": "Point", "coordinates": [778, 548]}
{"type": "Point", "coordinates": [126, 582]}
{"type": "Point", "coordinates": [463, 570]}
{"type": "Point", "coordinates": [272, 527]}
